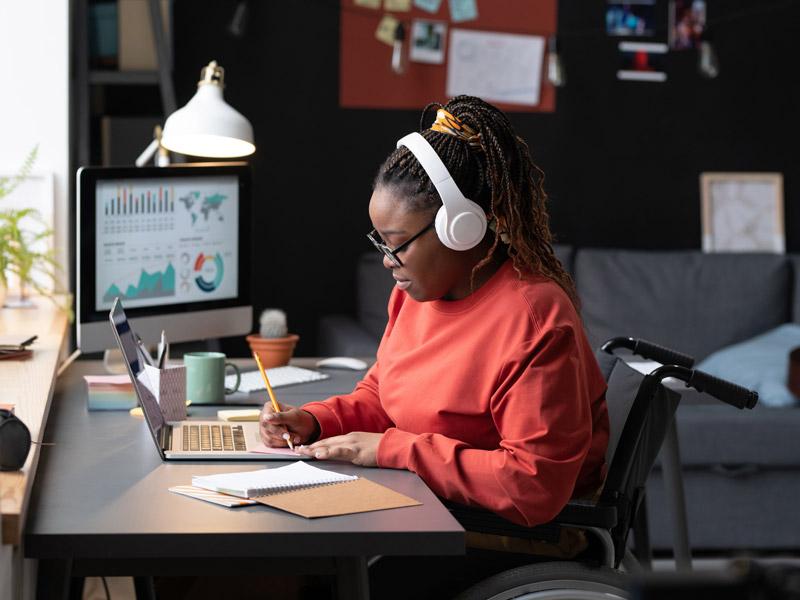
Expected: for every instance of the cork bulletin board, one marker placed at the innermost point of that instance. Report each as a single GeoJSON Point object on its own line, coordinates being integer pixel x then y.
{"type": "Point", "coordinates": [366, 79]}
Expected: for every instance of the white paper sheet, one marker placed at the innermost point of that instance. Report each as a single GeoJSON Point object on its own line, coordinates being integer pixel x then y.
{"type": "Point", "coordinates": [498, 67]}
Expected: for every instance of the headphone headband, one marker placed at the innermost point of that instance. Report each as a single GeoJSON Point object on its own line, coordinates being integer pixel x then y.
{"type": "Point", "coordinates": [460, 223]}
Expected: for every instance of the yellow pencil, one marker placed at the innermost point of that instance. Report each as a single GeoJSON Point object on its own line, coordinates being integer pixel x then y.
{"type": "Point", "coordinates": [275, 405]}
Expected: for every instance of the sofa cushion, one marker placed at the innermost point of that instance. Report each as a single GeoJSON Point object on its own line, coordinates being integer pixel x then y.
{"type": "Point", "coordinates": [794, 263]}
{"type": "Point", "coordinates": [374, 284]}
{"type": "Point", "coordinates": [566, 255]}
{"type": "Point", "coordinates": [342, 335]}
{"type": "Point", "coordinates": [723, 435]}
{"type": "Point", "coordinates": [690, 301]}
{"type": "Point", "coordinates": [760, 363]}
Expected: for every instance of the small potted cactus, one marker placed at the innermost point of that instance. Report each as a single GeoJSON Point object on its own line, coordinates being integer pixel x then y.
{"type": "Point", "coordinates": [273, 344]}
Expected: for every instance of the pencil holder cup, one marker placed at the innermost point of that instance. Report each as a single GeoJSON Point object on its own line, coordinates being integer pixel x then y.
{"type": "Point", "coordinates": [169, 387]}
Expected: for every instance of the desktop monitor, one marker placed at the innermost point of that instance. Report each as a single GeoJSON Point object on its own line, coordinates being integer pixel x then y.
{"type": "Point", "coordinates": [172, 242]}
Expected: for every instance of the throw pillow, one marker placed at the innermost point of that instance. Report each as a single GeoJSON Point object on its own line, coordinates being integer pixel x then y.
{"type": "Point", "coordinates": [760, 363]}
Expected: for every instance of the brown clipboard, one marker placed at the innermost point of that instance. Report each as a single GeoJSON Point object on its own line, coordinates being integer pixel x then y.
{"type": "Point", "coordinates": [347, 497]}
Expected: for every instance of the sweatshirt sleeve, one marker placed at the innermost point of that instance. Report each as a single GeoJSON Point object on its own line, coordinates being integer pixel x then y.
{"type": "Point", "coordinates": [360, 410]}
{"type": "Point", "coordinates": [542, 412]}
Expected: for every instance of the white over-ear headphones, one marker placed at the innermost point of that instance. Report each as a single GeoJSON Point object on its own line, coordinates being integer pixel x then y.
{"type": "Point", "coordinates": [460, 222]}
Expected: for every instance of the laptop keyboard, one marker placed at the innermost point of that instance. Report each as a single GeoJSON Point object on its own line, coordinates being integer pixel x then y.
{"type": "Point", "coordinates": [206, 438]}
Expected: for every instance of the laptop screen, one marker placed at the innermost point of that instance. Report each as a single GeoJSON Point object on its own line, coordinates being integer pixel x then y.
{"type": "Point", "coordinates": [132, 355]}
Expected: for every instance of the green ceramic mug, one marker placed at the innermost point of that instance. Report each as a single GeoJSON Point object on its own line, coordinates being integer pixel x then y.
{"type": "Point", "coordinates": [205, 377]}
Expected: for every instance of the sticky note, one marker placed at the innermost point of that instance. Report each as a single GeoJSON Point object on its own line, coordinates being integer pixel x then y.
{"type": "Point", "coordinates": [397, 5]}
{"type": "Point", "coordinates": [376, 4]}
{"type": "Point", "coordinates": [432, 6]}
{"type": "Point", "coordinates": [463, 10]}
{"type": "Point", "coordinates": [386, 29]}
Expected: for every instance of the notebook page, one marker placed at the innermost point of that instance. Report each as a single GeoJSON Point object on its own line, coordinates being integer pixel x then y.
{"type": "Point", "coordinates": [249, 484]}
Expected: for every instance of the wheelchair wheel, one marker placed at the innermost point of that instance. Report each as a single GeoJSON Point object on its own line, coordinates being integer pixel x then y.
{"type": "Point", "coordinates": [551, 581]}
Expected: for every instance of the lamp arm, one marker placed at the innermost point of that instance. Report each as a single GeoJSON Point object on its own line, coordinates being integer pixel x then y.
{"type": "Point", "coordinates": [148, 153]}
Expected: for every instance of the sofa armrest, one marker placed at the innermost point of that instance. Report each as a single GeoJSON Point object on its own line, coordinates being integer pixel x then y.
{"type": "Point", "coordinates": [341, 335]}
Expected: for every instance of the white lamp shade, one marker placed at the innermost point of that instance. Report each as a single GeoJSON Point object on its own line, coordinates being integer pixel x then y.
{"type": "Point", "coordinates": [208, 126]}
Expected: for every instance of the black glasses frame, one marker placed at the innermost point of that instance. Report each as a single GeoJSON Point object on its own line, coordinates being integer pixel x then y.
{"type": "Point", "coordinates": [392, 253]}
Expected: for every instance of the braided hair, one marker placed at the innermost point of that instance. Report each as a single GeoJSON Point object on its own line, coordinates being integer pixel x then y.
{"type": "Point", "coordinates": [500, 176]}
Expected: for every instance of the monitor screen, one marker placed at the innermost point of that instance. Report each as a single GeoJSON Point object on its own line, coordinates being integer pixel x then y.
{"type": "Point", "coordinates": [173, 243]}
{"type": "Point", "coordinates": [166, 241]}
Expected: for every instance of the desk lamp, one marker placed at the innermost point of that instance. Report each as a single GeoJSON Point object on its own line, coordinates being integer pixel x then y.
{"type": "Point", "coordinates": [207, 126]}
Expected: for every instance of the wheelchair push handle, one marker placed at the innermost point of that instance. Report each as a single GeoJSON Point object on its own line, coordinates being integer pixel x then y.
{"type": "Point", "coordinates": [650, 351]}
{"type": "Point", "coordinates": [728, 392]}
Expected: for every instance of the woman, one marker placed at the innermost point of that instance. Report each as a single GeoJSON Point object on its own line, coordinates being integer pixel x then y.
{"type": "Point", "coordinates": [485, 384]}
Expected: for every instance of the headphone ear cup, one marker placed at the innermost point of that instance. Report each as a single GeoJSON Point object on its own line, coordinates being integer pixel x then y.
{"type": "Point", "coordinates": [464, 230]}
{"type": "Point", "coordinates": [441, 227]}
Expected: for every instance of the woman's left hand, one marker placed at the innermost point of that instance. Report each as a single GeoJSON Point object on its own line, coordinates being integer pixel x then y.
{"type": "Point", "coordinates": [358, 447]}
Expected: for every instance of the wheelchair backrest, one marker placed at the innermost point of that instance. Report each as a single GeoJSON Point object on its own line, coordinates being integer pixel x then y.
{"type": "Point", "coordinates": [639, 412]}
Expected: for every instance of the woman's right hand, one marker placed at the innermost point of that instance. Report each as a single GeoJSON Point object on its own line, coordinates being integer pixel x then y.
{"type": "Point", "coordinates": [300, 424]}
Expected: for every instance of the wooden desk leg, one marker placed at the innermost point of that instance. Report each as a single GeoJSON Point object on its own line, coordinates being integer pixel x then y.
{"type": "Point", "coordinates": [144, 588]}
{"type": "Point", "coordinates": [352, 578]}
{"type": "Point", "coordinates": [53, 579]}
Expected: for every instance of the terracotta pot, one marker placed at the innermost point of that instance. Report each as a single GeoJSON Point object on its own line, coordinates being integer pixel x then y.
{"type": "Point", "coordinates": [273, 352]}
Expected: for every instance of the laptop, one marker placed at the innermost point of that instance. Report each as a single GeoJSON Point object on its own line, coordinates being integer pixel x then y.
{"type": "Point", "coordinates": [190, 439]}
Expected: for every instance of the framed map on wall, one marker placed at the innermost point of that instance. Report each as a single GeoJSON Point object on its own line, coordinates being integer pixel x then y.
{"type": "Point", "coordinates": [742, 212]}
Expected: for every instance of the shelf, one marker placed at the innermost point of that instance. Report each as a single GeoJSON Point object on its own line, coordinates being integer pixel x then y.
{"type": "Point", "coordinates": [98, 77]}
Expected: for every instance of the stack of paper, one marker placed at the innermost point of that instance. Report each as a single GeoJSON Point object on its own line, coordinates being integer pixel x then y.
{"type": "Point", "coordinates": [298, 488]}
{"type": "Point", "coordinates": [110, 392]}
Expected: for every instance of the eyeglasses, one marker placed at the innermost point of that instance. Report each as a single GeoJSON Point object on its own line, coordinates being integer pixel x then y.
{"type": "Point", "coordinates": [392, 254]}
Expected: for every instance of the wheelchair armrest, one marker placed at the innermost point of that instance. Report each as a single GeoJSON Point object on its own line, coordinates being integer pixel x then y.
{"type": "Point", "coordinates": [582, 513]}
{"type": "Point", "coordinates": [576, 514]}
{"type": "Point", "coordinates": [482, 521]}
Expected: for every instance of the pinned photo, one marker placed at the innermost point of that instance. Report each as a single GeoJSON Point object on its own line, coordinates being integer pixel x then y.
{"type": "Point", "coordinates": [427, 42]}
{"type": "Point", "coordinates": [635, 18]}
{"type": "Point", "coordinates": [687, 22]}
{"type": "Point", "coordinates": [642, 62]}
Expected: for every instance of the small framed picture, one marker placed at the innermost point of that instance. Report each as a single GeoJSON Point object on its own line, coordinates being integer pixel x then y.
{"type": "Point", "coordinates": [427, 42]}
{"type": "Point", "coordinates": [742, 212]}
{"type": "Point", "coordinates": [687, 22]}
{"type": "Point", "coordinates": [635, 18]}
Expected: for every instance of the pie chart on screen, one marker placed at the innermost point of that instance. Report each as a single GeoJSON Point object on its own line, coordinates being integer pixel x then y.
{"type": "Point", "coordinates": [209, 271]}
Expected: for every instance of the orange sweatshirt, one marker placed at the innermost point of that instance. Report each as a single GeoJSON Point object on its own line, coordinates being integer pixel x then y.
{"type": "Point", "coordinates": [495, 400]}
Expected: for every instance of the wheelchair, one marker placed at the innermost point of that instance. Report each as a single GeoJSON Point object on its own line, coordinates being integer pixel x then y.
{"type": "Point", "coordinates": [641, 410]}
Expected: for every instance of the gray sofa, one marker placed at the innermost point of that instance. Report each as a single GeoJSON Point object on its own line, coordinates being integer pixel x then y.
{"type": "Point", "coordinates": [741, 468]}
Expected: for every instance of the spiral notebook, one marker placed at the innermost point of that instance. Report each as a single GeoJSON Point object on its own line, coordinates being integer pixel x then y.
{"type": "Point", "coordinates": [306, 490]}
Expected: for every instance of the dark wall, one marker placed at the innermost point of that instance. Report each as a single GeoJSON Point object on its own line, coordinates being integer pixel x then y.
{"type": "Point", "coordinates": [622, 158]}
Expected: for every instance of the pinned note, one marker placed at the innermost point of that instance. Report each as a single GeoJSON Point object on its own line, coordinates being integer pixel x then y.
{"type": "Point", "coordinates": [432, 6]}
{"type": "Point", "coordinates": [463, 10]}
{"type": "Point", "coordinates": [376, 4]}
{"type": "Point", "coordinates": [397, 5]}
{"type": "Point", "coordinates": [386, 29]}
{"type": "Point", "coordinates": [498, 67]}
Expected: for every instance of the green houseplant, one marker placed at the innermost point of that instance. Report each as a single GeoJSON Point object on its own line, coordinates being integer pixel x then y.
{"type": "Point", "coordinates": [21, 255]}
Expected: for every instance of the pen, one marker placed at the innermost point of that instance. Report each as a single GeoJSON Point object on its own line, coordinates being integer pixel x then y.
{"type": "Point", "coordinates": [145, 354]}
{"type": "Point", "coordinates": [29, 341]}
{"type": "Point", "coordinates": [162, 350]}
{"type": "Point", "coordinates": [277, 408]}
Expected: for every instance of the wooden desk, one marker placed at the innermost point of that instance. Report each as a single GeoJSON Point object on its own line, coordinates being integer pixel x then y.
{"type": "Point", "coordinates": [101, 506]}
{"type": "Point", "coordinates": [28, 384]}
